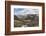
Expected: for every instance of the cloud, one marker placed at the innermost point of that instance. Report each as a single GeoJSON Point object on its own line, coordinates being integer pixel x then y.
{"type": "Point", "coordinates": [24, 11]}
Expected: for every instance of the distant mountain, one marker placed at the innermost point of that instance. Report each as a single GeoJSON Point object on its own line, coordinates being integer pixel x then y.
{"type": "Point", "coordinates": [15, 17]}
{"type": "Point", "coordinates": [22, 16]}
{"type": "Point", "coordinates": [28, 16]}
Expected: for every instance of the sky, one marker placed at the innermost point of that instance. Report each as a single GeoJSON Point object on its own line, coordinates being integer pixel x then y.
{"type": "Point", "coordinates": [24, 11]}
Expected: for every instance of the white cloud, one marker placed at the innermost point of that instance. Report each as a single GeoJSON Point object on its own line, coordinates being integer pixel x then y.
{"type": "Point", "coordinates": [26, 11]}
